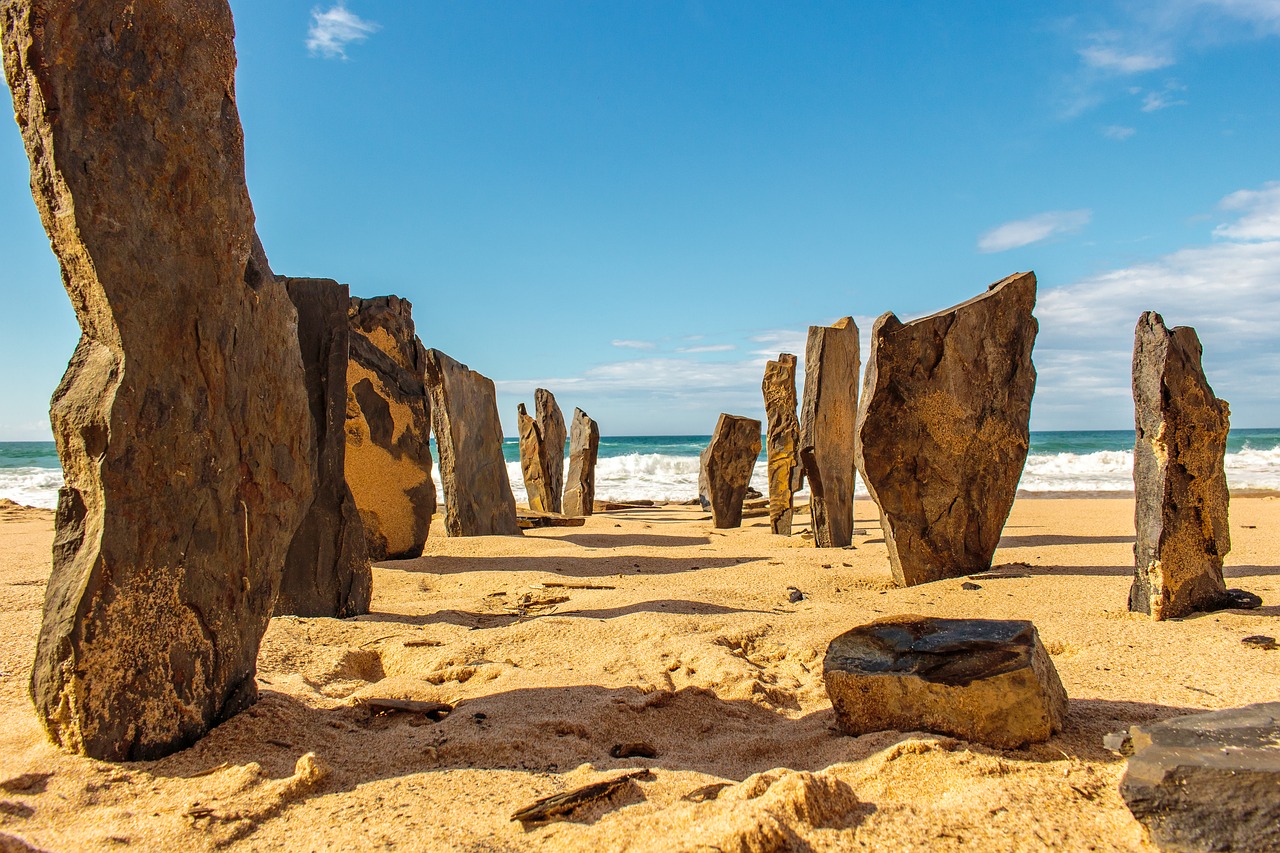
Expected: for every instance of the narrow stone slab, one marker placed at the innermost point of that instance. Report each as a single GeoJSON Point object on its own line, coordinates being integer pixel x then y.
{"type": "Point", "coordinates": [783, 441]}
{"type": "Point", "coordinates": [473, 471]}
{"type": "Point", "coordinates": [327, 571]}
{"type": "Point", "coordinates": [727, 463]}
{"type": "Point", "coordinates": [944, 429]}
{"type": "Point", "coordinates": [985, 680]}
{"type": "Point", "coordinates": [532, 462]}
{"type": "Point", "coordinates": [182, 421]}
{"type": "Point", "coordinates": [530, 519]}
{"type": "Point", "coordinates": [388, 461]}
{"type": "Point", "coordinates": [584, 446]}
{"type": "Point", "coordinates": [828, 416]}
{"type": "Point", "coordinates": [1208, 782]}
{"type": "Point", "coordinates": [551, 428]}
{"type": "Point", "coordinates": [1180, 484]}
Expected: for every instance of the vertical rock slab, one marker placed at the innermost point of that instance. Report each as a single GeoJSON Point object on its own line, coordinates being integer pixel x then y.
{"type": "Point", "coordinates": [782, 440]}
{"type": "Point", "coordinates": [182, 420]}
{"type": "Point", "coordinates": [944, 429]}
{"type": "Point", "coordinates": [584, 447]}
{"type": "Point", "coordinates": [473, 471]}
{"type": "Point", "coordinates": [828, 416]}
{"type": "Point", "coordinates": [532, 462]}
{"type": "Point", "coordinates": [326, 571]}
{"type": "Point", "coordinates": [727, 463]}
{"type": "Point", "coordinates": [1180, 485]}
{"type": "Point", "coordinates": [388, 462]}
{"type": "Point", "coordinates": [551, 428]}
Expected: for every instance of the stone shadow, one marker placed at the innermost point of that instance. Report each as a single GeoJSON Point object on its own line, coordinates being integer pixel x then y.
{"type": "Point", "coordinates": [479, 620]}
{"type": "Point", "coordinates": [573, 567]}
{"type": "Point", "coordinates": [605, 540]}
{"type": "Point", "coordinates": [1039, 540]}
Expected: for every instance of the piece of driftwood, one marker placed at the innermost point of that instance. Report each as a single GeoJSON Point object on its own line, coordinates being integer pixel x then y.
{"type": "Point", "coordinates": [528, 519]}
{"type": "Point", "coordinates": [383, 705]}
{"type": "Point", "coordinates": [558, 806]}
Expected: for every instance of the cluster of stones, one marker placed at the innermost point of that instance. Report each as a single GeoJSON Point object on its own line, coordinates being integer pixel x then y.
{"type": "Point", "coordinates": [542, 461]}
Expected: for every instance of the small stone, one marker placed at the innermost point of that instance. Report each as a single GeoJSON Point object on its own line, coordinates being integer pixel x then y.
{"type": "Point", "coordinates": [1118, 742]}
{"type": "Point", "coordinates": [1258, 641]}
{"type": "Point", "coordinates": [970, 585]}
{"type": "Point", "coordinates": [706, 792]}
{"type": "Point", "coordinates": [794, 595]}
{"type": "Point", "coordinates": [1232, 599]}
{"type": "Point", "coordinates": [634, 750]}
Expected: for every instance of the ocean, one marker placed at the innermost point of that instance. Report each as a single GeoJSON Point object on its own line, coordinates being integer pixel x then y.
{"type": "Point", "coordinates": [665, 467]}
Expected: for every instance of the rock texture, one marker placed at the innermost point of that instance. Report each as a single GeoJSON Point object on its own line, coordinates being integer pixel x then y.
{"type": "Point", "coordinates": [783, 441]}
{"type": "Point", "coordinates": [1208, 781]}
{"type": "Point", "coordinates": [473, 471]}
{"type": "Point", "coordinates": [727, 463]}
{"type": "Point", "coordinates": [551, 428]}
{"type": "Point", "coordinates": [584, 446]}
{"type": "Point", "coordinates": [388, 461]}
{"type": "Point", "coordinates": [182, 420]}
{"type": "Point", "coordinates": [944, 428]}
{"type": "Point", "coordinates": [984, 680]}
{"type": "Point", "coordinates": [828, 415]}
{"type": "Point", "coordinates": [326, 571]}
{"type": "Point", "coordinates": [533, 462]}
{"type": "Point", "coordinates": [1179, 482]}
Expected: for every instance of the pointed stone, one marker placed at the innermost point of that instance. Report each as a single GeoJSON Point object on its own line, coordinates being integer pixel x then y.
{"type": "Point", "coordinates": [388, 461]}
{"type": "Point", "coordinates": [783, 440]}
{"type": "Point", "coordinates": [727, 463]}
{"type": "Point", "coordinates": [473, 471]}
{"type": "Point", "coordinates": [584, 447]}
{"type": "Point", "coordinates": [532, 460]}
{"type": "Point", "coordinates": [551, 428]}
{"type": "Point", "coordinates": [827, 419]}
{"type": "Point", "coordinates": [182, 421]}
{"type": "Point", "coordinates": [1180, 484]}
{"type": "Point", "coordinates": [944, 429]}
{"type": "Point", "coordinates": [327, 571]}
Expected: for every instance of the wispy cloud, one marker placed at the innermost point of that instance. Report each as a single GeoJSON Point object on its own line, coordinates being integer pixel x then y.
{"type": "Point", "coordinates": [1116, 60]}
{"type": "Point", "coordinates": [708, 348]}
{"type": "Point", "coordinates": [1163, 98]}
{"type": "Point", "coordinates": [333, 29]}
{"type": "Point", "coordinates": [625, 344]}
{"type": "Point", "coordinates": [1259, 217]}
{"type": "Point", "coordinates": [1033, 229]}
{"type": "Point", "coordinates": [1118, 132]}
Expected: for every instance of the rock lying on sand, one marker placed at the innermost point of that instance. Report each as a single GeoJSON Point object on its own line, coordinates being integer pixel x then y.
{"type": "Point", "coordinates": [326, 572]}
{"type": "Point", "coordinates": [551, 428]}
{"type": "Point", "coordinates": [1180, 485]}
{"type": "Point", "coordinates": [182, 420]}
{"type": "Point", "coordinates": [828, 416]}
{"type": "Point", "coordinates": [473, 471]}
{"type": "Point", "coordinates": [533, 462]}
{"type": "Point", "coordinates": [984, 680]}
{"type": "Point", "coordinates": [727, 463]}
{"type": "Point", "coordinates": [584, 446]}
{"type": "Point", "coordinates": [944, 428]}
{"type": "Point", "coordinates": [1208, 782]}
{"type": "Point", "coordinates": [389, 428]}
{"type": "Point", "coordinates": [783, 440]}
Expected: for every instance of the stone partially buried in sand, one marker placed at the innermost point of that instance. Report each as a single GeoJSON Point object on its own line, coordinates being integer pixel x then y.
{"type": "Point", "coordinates": [584, 446]}
{"type": "Point", "coordinates": [782, 439]}
{"type": "Point", "coordinates": [828, 417]}
{"type": "Point", "coordinates": [984, 680]}
{"type": "Point", "coordinates": [727, 463]}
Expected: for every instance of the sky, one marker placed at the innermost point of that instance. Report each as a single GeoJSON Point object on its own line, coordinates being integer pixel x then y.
{"type": "Point", "coordinates": [636, 204]}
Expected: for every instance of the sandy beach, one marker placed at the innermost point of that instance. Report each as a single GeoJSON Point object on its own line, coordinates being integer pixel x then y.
{"type": "Point", "coordinates": [646, 630]}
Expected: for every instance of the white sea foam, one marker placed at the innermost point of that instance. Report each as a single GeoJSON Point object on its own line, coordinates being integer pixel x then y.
{"type": "Point", "coordinates": [31, 486]}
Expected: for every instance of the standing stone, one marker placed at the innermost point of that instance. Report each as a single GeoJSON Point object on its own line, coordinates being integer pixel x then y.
{"type": "Point", "coordinates": [944, 429]}
{"type": "Point", "coordinates": [389, 428]}
{"type": "Point", "coordinates": [551, 428]}
{"type": "Point", "coordinates": [473, 471]}
{"type": "Point", "coordinates": [727, 463]}
{"type": "Point", "coordinates": [532, 461]}
{"type": "Point", "coordinates": [584, 446]}
{"type": "Point", "coordinates": [182, 420]}
{"type": "Point", "coordinates": [783, 435]}
{"type": "Point", "coordinates": [828, 415]}
{"type": "Point", "coordinates": [1179, 482]}
{"type": "Point", "coordinates": [326, 572]}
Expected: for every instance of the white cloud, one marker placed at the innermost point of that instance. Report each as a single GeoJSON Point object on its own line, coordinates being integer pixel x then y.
{"type": "Point", "coordinates": [332, 30]}
{"type": "Point", "coordinates": [1259, 214]}
{"type": "Point", "coordinates": [1033, 229]}
{"type": "Point", "coordinates": [1164, 98]}
{"type": "Point", "coordinates": [1115, 60]}
{"type": "Point", "coordinates": [708, 348]}
{"type": "Point", "coordinates": [1118, 132]}
{"type": "Point", "coordinates": [624, 344]}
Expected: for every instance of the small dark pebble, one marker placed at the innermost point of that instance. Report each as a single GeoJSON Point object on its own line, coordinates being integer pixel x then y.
{"type": "Point", "coordinates": [794, 595]}
{"type": "Point", "coordinates": [706, 792]}
{"type": "Point", "coordinates": [1258, 641]}
{"type": "Point", "coordinates": [1234, 599]}
{"type": "Point", "coordinates": [970, 585]}
{"type": "Point", "coordinates": [633, 750]}
{"type": "Point", "coordinates": [479, 717]}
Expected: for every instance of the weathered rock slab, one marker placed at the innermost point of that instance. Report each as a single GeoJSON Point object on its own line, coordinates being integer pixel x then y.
{"type": "Point", "coordinates": [944, 428]}
{"type": "Point", "coordinates": [584, 447]}
{"type": "Point", "coordinates": [727, 463]}
{"type": "Point", "coordinates": [533, 463]}
{"type": "Point", "coordinates": [1180, 484]}
{"type": "Point", "coordinates": [987, 681]}
{"type": "Point", "coordinates": [783, 441]}
{"type": "Point", "coordinates": [1208, 782]}
{"type": "Point", "coordinates": [551, 428]}
{"type": "Point", "coordinates": [828, 417]}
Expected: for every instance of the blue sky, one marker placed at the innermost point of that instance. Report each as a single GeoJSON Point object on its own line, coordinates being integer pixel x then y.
{"type": "Point", "coordinates": [634, 204]}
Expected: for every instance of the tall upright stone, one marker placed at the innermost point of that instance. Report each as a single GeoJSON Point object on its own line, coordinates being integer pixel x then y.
{"type": "Point", "coordinates": [551, 428]}
{"type": "Point", "coordinates": [182, 420]}
{"type": "Point", "coordinates": [388, 460]}
{"type": "Point", "coordinates": [727, 463]}
{"type": "Point", "coordinates": [782, 440]}
{"type": "Point", "coordinates": [828, 414]}
{"type": "Point", "coordinates": [473, 471]}
{"type": "Point", "coordinates": [533, 462]}
{"type": "Point", "coordinates": [326, 571]}
{"type": "Point", "coordinates": [1180, 485]}
{"type": "Point", "coordinates": [944, 428]}
{"type": "Point", "coordinates": [584, 447]}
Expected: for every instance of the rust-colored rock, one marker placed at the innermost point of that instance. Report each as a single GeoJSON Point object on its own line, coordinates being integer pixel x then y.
{"type": "Point", "coordinates": [584, 446]}
{"type": "Point", "coordinates": [388, 427]}
{"type": "Point", "coordinates": [1180, 485]}
{"type": "Point", "coordinates": [551, 429]}
{"type": "Point", "coordinates": [829, 414]}
{"type": "Point", "coordinates": [182, 420]}
{"type": "Point", "coordinates": [782, 440]}
{"type": "Point", "coordinates": [727, 463]}
{"type": "Point", "coordinates": [473, 471]}
{"type": "Point", "coordinates": [532, 462]}
{"type": "Point", "coordinates": [944, 429]}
